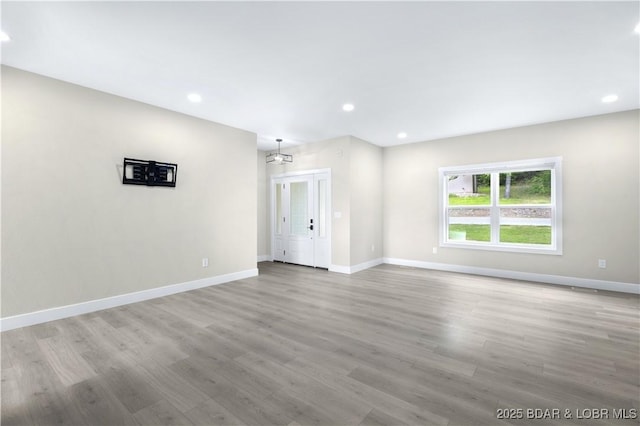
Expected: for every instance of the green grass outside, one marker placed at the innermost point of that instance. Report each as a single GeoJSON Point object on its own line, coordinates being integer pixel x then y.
{"type": "Point", "coordinates": [522, 234]}
{"type": "Point", "coordinates": [520, 194]}
{"type": "Point", "coordinates": [474, 232]}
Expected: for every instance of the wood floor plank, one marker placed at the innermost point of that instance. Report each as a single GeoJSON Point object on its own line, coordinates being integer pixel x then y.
{"type": "Point", "coordinates": [173, 388]}
{"type": "Point", "coordinates": [299, 346]}
{"type": "Point", "coordinates": [12, 399]}
{"type": "Point", "coordinates": [300, 411]}
{"type": "Point", "coordinates": [379, 418]}
{"type": "Point", "coordinates": [199, 373]}
{"type": "Point", "coordinates": [69, 365]}
{"type": "Point", "coordinates": [131, 389]}
{"type": "Point", "coordinates": [402, 411]}
{"type": "Point", "coordinates": [99, 406]}
{"type": "Point", "coordinates": [42, 331]}
{"type": "Point", "coordinates": [161, 413]}
{"type": "Point", "coordinates": [210, 412]}
{"type": "Point", "coordinates": [448, 409]}
{"type": "Point", "coordinates": [249, 409]}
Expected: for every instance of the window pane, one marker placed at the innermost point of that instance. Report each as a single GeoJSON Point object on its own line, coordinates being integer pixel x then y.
{"type": "Point", "coordinates": [322, 208]}
{"type": "Point", "coordinates": [467, 224]}
{"type": "Point", "coordinates": [278, 208]}
{"type": "Point", "coordinates": [469, 189]}
{"type": "Point", "coordinates": [532, 187]}
{"type": "Point", "coordinates": [299, 208]}
{"type": "Point", "coordinates": [525, 225]}
{"type": "Point", "coordinates": [525, 234]}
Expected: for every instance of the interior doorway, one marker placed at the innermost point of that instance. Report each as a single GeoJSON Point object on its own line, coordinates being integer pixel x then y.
{"type": "Point", "coordinates": [301, 218]}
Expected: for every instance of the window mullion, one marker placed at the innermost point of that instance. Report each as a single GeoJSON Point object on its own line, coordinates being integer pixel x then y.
{"type": "Point", "coordinates": [495, 210]}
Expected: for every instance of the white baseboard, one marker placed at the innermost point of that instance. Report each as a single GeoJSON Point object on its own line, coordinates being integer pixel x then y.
{"type": "Point", "coordinates": [340, 269]}
{"type": "Point", "coordinates": [525, 276]}
{"type": "Point", "coordinates": [355, 268]}
{"type": "Point", "coordinates": [264, 258]}
{"type": "Point", "coordinates": [366, 265]}
{"type": "Point", "coordinates": [46, 315]}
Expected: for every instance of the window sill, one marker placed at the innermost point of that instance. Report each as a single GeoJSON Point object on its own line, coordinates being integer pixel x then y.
{"type": "Point", "coordinates": [511, 248]}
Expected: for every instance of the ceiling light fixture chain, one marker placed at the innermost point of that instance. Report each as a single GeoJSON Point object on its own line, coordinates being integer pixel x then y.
{"type": "Point", "coordinates": [278, 157]}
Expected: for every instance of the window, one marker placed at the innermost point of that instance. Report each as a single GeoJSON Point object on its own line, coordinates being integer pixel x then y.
{"type": "Point", "coordinates": [511, 206]}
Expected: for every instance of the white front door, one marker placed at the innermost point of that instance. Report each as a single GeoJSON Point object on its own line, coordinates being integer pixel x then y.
{"type": "Point", "coordinates": [301, 227]}
{"type": "Point", "coordinates": [300, 230]}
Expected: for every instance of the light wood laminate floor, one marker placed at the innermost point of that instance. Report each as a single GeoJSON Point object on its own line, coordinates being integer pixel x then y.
{"type": "Point", "coordinates": [297, 346]}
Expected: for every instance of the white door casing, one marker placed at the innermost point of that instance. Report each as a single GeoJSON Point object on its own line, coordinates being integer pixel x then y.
{"type": "Point", "coordinates": [322, 220]}
{"type": "Point", "coordinates": [301, 218]}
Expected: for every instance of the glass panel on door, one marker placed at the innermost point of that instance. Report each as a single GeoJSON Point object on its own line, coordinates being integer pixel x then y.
{"type": "Point", "coordinates": [322, 208]}
{"type": "Point", "coordinates": [299, 204]}
{"type": "Point", "coordinates": [278, 227]}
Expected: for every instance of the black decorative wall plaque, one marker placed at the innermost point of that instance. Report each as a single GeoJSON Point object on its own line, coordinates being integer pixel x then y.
{"type": "Point", "coordinates": [150, 173]}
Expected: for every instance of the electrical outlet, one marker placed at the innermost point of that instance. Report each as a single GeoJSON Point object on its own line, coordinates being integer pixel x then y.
{"type": "Point", "coordinates": [435, 250]}
{"type": "Point", "coordinates": [602, 263]}
{"type": "Point", "coordinates": [205, 262]}
{"type": "Point", "coordinates": [373, 248]}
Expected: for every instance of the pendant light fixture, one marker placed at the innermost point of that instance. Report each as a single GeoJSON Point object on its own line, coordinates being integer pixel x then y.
{"type": "Point", "coordinates": [278, 157]}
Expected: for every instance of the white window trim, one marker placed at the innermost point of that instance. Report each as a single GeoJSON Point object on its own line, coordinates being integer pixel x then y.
{"type": "Point", "coordinates": [553, 163]}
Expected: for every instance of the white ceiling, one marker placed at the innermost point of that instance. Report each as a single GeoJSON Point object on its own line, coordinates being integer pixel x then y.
{"type": "Point", "coordinates": [284, 69]}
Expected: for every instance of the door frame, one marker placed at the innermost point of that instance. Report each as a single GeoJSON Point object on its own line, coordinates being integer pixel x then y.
{"type": "Point", "coordinates": [272, 209]}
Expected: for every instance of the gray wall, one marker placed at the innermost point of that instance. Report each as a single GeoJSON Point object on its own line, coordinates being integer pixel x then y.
{"type": "Point", "coordinates": [264, 244]}
{"type": "Point", "coordinates": [366, 201]}
{"type": "Point", "coordinates": [71, 232]}
{"type": "Point", "coordinates": [600, 195]}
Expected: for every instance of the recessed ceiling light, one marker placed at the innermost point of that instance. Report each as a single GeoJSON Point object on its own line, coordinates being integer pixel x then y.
{"type": "Point", "coordinates": [194, 97]}
{"type": "Point", "coordinates": [402, 135]}
{"type": "Point", "coordinates": [610, 98]}
{"type": "Point", "coordinates": [348, 107]}
{"type": "Point", "coordinates": [4, 36]}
